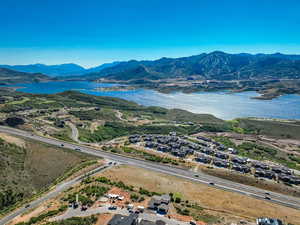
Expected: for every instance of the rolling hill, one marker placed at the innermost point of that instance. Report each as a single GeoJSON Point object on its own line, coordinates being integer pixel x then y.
{"type": "Point", "coordinates": [27, 167]}
{"type": "Point", "coordinates": [8, 76]}
{"type": "Point", "coordinates": [51, 70]}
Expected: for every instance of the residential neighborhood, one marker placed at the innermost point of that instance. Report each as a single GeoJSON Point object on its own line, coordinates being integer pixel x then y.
{"type": "Point", "coordinates": [206, 151]}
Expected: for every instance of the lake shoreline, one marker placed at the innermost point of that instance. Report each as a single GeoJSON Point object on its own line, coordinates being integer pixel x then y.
{"type": "Point", "coordinates": [226, 105]}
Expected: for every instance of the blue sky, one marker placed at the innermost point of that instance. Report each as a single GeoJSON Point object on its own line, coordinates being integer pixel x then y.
{"type": "Point", "coordinates": [92, 32]}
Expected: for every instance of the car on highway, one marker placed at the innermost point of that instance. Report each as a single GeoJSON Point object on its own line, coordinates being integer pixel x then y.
{"type": "Point", "coordinates": [112, 207]}
{"type": "Point", "coordinates": [267, 193]}
{"type": "Point", "coordinates": [267, 198]}
{"type": "Point", "coordinates": [196, 175]}
{"type": "Point", "coordinates": [62, 145]}
{"type": "Point", "coordinates": [211, 183]}
{"type": "Point", "coordinates": [27, 206]}
{"type": "Point", "coordinates": [77, 149]}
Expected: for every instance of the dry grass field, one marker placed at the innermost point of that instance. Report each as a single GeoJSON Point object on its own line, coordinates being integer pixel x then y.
{"type": "Point", "coordinates": [214, 201]}
{"type": "Point", "coordinates": [252, 181]}
{"type": "Point", "coordinates": [28, 167]}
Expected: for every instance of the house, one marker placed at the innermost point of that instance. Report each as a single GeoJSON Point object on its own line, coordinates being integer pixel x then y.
{"type": "Point", "coordinates": [163, 208]}
{"type": "Point", "coordinates": [165, 198]}
{"type": "Point", "coordinates": [268, 221]}
{"type": "Point", "coordinates": [160, 204]}
{"type": "Point", "coordinates": [187, 150]}
{"type": "Point", "coordinates": [241, 168]}
{"type": "Point", "coordinates": [174, 145]}
{"type": "Point", "coordinates": [174, 138]}
{"type": "Point", "coordinates": [259, 172]}
{"type": "Point", "coordinates": [208, 151]}
{"type": "Point", "coordinates": [134, 140]}
{"type": "Point", "coordinates": [232, 151]}
{"type": "Point", "coordinates": [182, 142]}
{"type": "Point", "coordinates": [140, 208]}
{"type": "Point", "coordinates": [179, 152]}
{"type": "Point", "coordinates": [221, 155]}
{"type": "Point", "coordinates": [260, 165]}
{"type": "Point", "coordinates": [163, 140]}
{"type": "Point", "coordinates": [173, 133]}
{"type": "Point", "coordinates": [163, 148]}
{"type": "Point", "coordinates": [289, 179]}
{"type": "Point", "coordinates": [204, 138]}
{"type": "Point", "coordinates": [154, 202]}
{"type": "Point", "coordinates": [264, 173]}
{"type": "Point", "coordinates": [148, 138]}
{"type": "Point", "coordinates": [150, 144]}
{"type": "Point", "coordinates": [2, 100]}
{"type": "Point", "coordinates": [113, 196]}
{"type": "Point", "coordinates": [269, 174]}
{"type": "Point", "coordinates": [134, 136]}
{"type": "Point", "coordinates": [284, 178]}
{"type": "Point", "coordinates": [221, 147]}
{"type": "Point", "coordinates": [147, 222]}
{"type": "Point", "coordinates": [160, 222]}
{"type": "Point", "coordinates": [239, 160]}
{"type": "Point", "coordinates": [277, 169]}
{"type": "Point", "coordinates": [203, 159]}
{"type": "Point", "coordinates": [124, 220]}
{"type": "Point", "coordinates": [194, 146]}
{"type": "Point", "coordinates": [203, 144]}
{"type": "Point", "coordinates": [221, 163]}
{"type": "Point", "coordinates": [175, 152]}
{"type": "Point", "coordinates": [295, 180]}
{"type": "Point", "coordinates": [130, 206]}
{"type": "Point", "coordinates": [282, 170]}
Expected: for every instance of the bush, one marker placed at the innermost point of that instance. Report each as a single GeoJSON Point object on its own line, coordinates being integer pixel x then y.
{"type": "Point", "coordinates": [14, 121]}
{"type": "Point", "coordinates": [145, 192]}
{"type": "Point", "coordinates": [177, 200]}
{"type": "Point", "coordinates": [76, 221]}
{"type": "Point", "coordinates": [8, 198]}
{"type": "Point", "coordinates": [94, 191]}
{"type": "Point", "coordinates": [134, 197]}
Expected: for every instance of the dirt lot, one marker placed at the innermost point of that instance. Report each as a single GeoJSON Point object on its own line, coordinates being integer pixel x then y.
{"type": "Point", "coordinates": [214, 201]}
{"type": "Point", "coordinates": [13, 140]}
{"type": "Point", "coordinates": [103, 219]}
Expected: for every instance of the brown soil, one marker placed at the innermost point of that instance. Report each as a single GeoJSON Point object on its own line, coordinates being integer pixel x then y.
{"type": "Point", "coordinates": [222, 202]}
{"type": "Point", "coordinates": [103, 219]}
{"type": "Point", "coordinates": [12, 140]}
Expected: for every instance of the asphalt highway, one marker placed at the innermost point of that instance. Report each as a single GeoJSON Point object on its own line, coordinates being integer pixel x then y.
{"type": "Point", "coordinates": [281, 199]}
{"type": "Point", "coordinates": [49, 195]}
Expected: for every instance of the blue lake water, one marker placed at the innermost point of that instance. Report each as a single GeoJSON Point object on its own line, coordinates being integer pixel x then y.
{"type": "Point", "coordinates": [220, 104]}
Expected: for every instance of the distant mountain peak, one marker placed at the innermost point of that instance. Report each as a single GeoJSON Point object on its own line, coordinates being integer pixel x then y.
{"type": "Point", "coordinates": [65, 69]}
{"type": "Point", "coordinates": [217, 53]}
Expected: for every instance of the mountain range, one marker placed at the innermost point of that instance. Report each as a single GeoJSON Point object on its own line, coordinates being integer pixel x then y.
{"type": "Point", "coordinates": [68, 69]}
{"type": "Point", "coordinates": [215, 65]}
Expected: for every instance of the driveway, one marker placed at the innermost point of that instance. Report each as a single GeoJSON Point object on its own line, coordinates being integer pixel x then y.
{"type": "Point", "coordinates": [104, 209]}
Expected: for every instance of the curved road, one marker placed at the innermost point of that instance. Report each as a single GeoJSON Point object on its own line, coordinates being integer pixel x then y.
{"type": "Point", "coordinates": [285, 200]}
{"type": "Point", "coordinates": [51, 194]}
